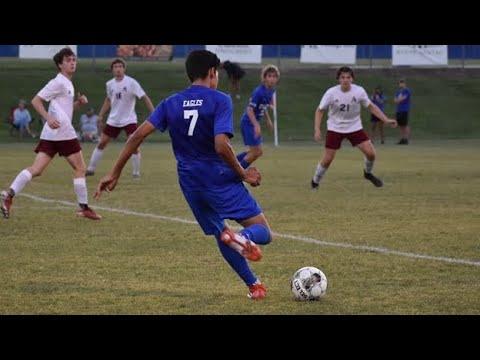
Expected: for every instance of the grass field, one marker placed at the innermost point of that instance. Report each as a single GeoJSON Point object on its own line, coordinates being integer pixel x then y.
{"type": "Point", "coordinates": [138, 263]}
{"type": "Point", "coordinates": [445, 101]}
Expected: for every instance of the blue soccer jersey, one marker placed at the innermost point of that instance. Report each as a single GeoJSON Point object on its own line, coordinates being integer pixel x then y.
{"type": "Point", "coordinates": [379, 100]}
{"type": "Point", "coordinates": [214, 192]}
{"type": "Point", "coordinates": [259, 102]}
{"type": "Point", "coordinates": [193, 118]}
{"type": "Point", "coordinates": [404, 106]}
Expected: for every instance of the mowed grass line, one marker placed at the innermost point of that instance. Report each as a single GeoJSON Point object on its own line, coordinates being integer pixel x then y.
{"type": "Point", "coordinates": [53, 262]}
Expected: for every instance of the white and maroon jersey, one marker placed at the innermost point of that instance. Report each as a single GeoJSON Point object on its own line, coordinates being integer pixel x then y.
{"type": "Point", "coordinates": [60, 93]}
{"type": "Point", "coordinates": [344, 108]}
{"type": "Point", "coordinates": [123, 96]}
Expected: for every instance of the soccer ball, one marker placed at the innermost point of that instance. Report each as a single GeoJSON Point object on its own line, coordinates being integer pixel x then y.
{"type": "Point", "coordinates": [308, 283]}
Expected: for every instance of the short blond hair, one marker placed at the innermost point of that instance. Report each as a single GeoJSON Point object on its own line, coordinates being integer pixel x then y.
{"type": "Point", "coordinates": [268, 69]}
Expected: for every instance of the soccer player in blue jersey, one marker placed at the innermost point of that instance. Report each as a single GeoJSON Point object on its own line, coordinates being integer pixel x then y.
{"type": "Point", "coordinates": [402, 99]}
{"type": "Point", "coordinates": [200, 123]}
{"type": "Point", "coordinates": [261, 100]}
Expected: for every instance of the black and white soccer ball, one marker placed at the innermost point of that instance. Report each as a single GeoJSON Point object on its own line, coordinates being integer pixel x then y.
{"type": "Point", "coordinates": [309, 283]}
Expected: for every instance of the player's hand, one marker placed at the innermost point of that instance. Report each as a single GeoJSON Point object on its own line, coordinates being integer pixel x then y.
{"type": "Point", "coordinates": [392, 122]}
{"type": "Point", "coordinates": [53, 122]}
{"type": "Point", "coordinates": [318, 136]}
{"type": "Point", "coordinates": [252, 176]}
{"type": "Point", "coordinates": [257, 131]}
{"type": "Point", "coordinates": [107, 183]}
{"type": "Point", "coordinates": [82, 99]}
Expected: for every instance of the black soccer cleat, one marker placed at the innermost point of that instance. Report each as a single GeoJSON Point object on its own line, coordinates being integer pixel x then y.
{"type": "Point", "coordinates": [314, 185]}
{"type": "Point", "coordinates": [375, 181]}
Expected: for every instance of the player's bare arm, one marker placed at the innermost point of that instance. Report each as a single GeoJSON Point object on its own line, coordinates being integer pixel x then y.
{"type": "Point", "coordinates": [109, 181]}
{"type": "Point", "coordinates": [81, 100]}
{"type": "Point", "coordinates": [105, 107]}
{"type": "Point", "coordinates": [148, 103]}
{"type": "Point", "coordinates": [269, 120]}
{"type": "Point", "coordinates": [380, 115]}
{"type": "Point", "coordinates": [224, 149]}
{"type": "Point", "coordinates": [254, 121]}
{"type": "Point", "coordinates": [318, 122]}
{"type": "Point", "coordinates": [37, 104]}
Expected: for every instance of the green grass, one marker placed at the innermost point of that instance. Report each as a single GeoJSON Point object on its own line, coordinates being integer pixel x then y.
{"type": "Point", "coordinates": [445, 101]}
{"type": "Point", "coordinates": [54, 263]}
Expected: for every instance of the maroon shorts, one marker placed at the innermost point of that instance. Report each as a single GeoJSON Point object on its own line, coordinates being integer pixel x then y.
{"type": "Point", "coordinates": [62, 147]}
{"type": "Point", "coordinates": [113, 131]}
{"type": "Point", "coordinates": [334, 139]}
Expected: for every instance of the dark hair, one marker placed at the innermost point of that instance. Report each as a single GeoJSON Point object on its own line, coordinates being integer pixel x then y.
{"type": "Point", "coordinates": [345, 69]}
{"type": "Point", "coordinates": [65, 52]}
{"type": "Point", "coordinates": [199, 62]}
{"type": "Point", "coordinates": [402, 81]}
{"type": "Point", "coordinates": [118, 61]}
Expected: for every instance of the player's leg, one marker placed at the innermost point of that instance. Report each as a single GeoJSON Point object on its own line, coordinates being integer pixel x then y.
{"type": "Point", "coordinates": [98, 152]}
{"type": "Point", "coordinates": [212, 224]}
{"type": "Point", "coordinates": [333, 142]}
{"type": "Point", "coordinates": [254, 145]}
{"type": "Point", "coordinates": [366, 147]}
{"type": "Point", "coordinates": [77, 163]}
{"type": "Point", "coordinates": [243, 208]}
{"type": "Point", "coordinates": [254, 152]}
{"type": "Point", "coordinates": [22, 179]}
{"type": "Point", "coordinates": [136, 156]}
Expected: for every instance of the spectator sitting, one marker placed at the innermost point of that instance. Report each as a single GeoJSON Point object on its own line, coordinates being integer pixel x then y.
{"type": "Point", "coordinates": [22, 119]}
{"type": "Point", "coordinates": [89, 126]}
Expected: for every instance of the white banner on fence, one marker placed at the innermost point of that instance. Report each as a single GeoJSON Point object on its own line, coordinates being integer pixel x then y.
{"type": "Point", "coordinates": [239, 53]}
{"type": "Point", "coordinates": [419, 55]}
{"type": "Point", "coordinates": [42, 51]}
{"type": "Point", "coordinates": [329, 54]}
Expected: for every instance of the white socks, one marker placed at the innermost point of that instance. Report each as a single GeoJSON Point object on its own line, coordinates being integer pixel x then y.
{"type": "Point", "coordinates": [80, 187]}
{"type": "Point", "coordinates": [96, 156]}
{"type": "Point", "coordinates": [136, 163]}
{"type": "Point", "coordinates": [368, 165]}
{"type": "Point", "coordinates": [21, 180]}
{"type": "Point", "coordinates": [319, 172]}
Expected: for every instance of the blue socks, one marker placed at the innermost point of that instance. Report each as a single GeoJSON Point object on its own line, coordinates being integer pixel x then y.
{"type": "Point", "coordinates": [237, 262]}
{"type": "Point", "coordinates": [257, 233]}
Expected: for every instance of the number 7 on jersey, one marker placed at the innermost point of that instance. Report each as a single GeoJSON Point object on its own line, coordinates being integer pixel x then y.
{"type": "Point", "coordinates": [193, 114]}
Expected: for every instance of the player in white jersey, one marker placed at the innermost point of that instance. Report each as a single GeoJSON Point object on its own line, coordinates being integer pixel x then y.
{"type": "Point", "coordinates": [58, 135]}
{"type": "Point", "coordinates": [122, 93]}
{"type": "Point", "coordinates": [344, 103]}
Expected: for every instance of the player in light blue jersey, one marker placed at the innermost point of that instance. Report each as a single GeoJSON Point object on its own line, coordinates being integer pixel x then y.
{"type": "Point", "coordinates": [200, 123]}
{"type": "Point", "coordinates": [259, 103]}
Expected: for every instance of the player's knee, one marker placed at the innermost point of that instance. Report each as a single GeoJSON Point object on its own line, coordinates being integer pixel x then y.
{"type": "Point", "coordinates": [102, 145]}
{"type": "Point", "coordinates": [370, 156]}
